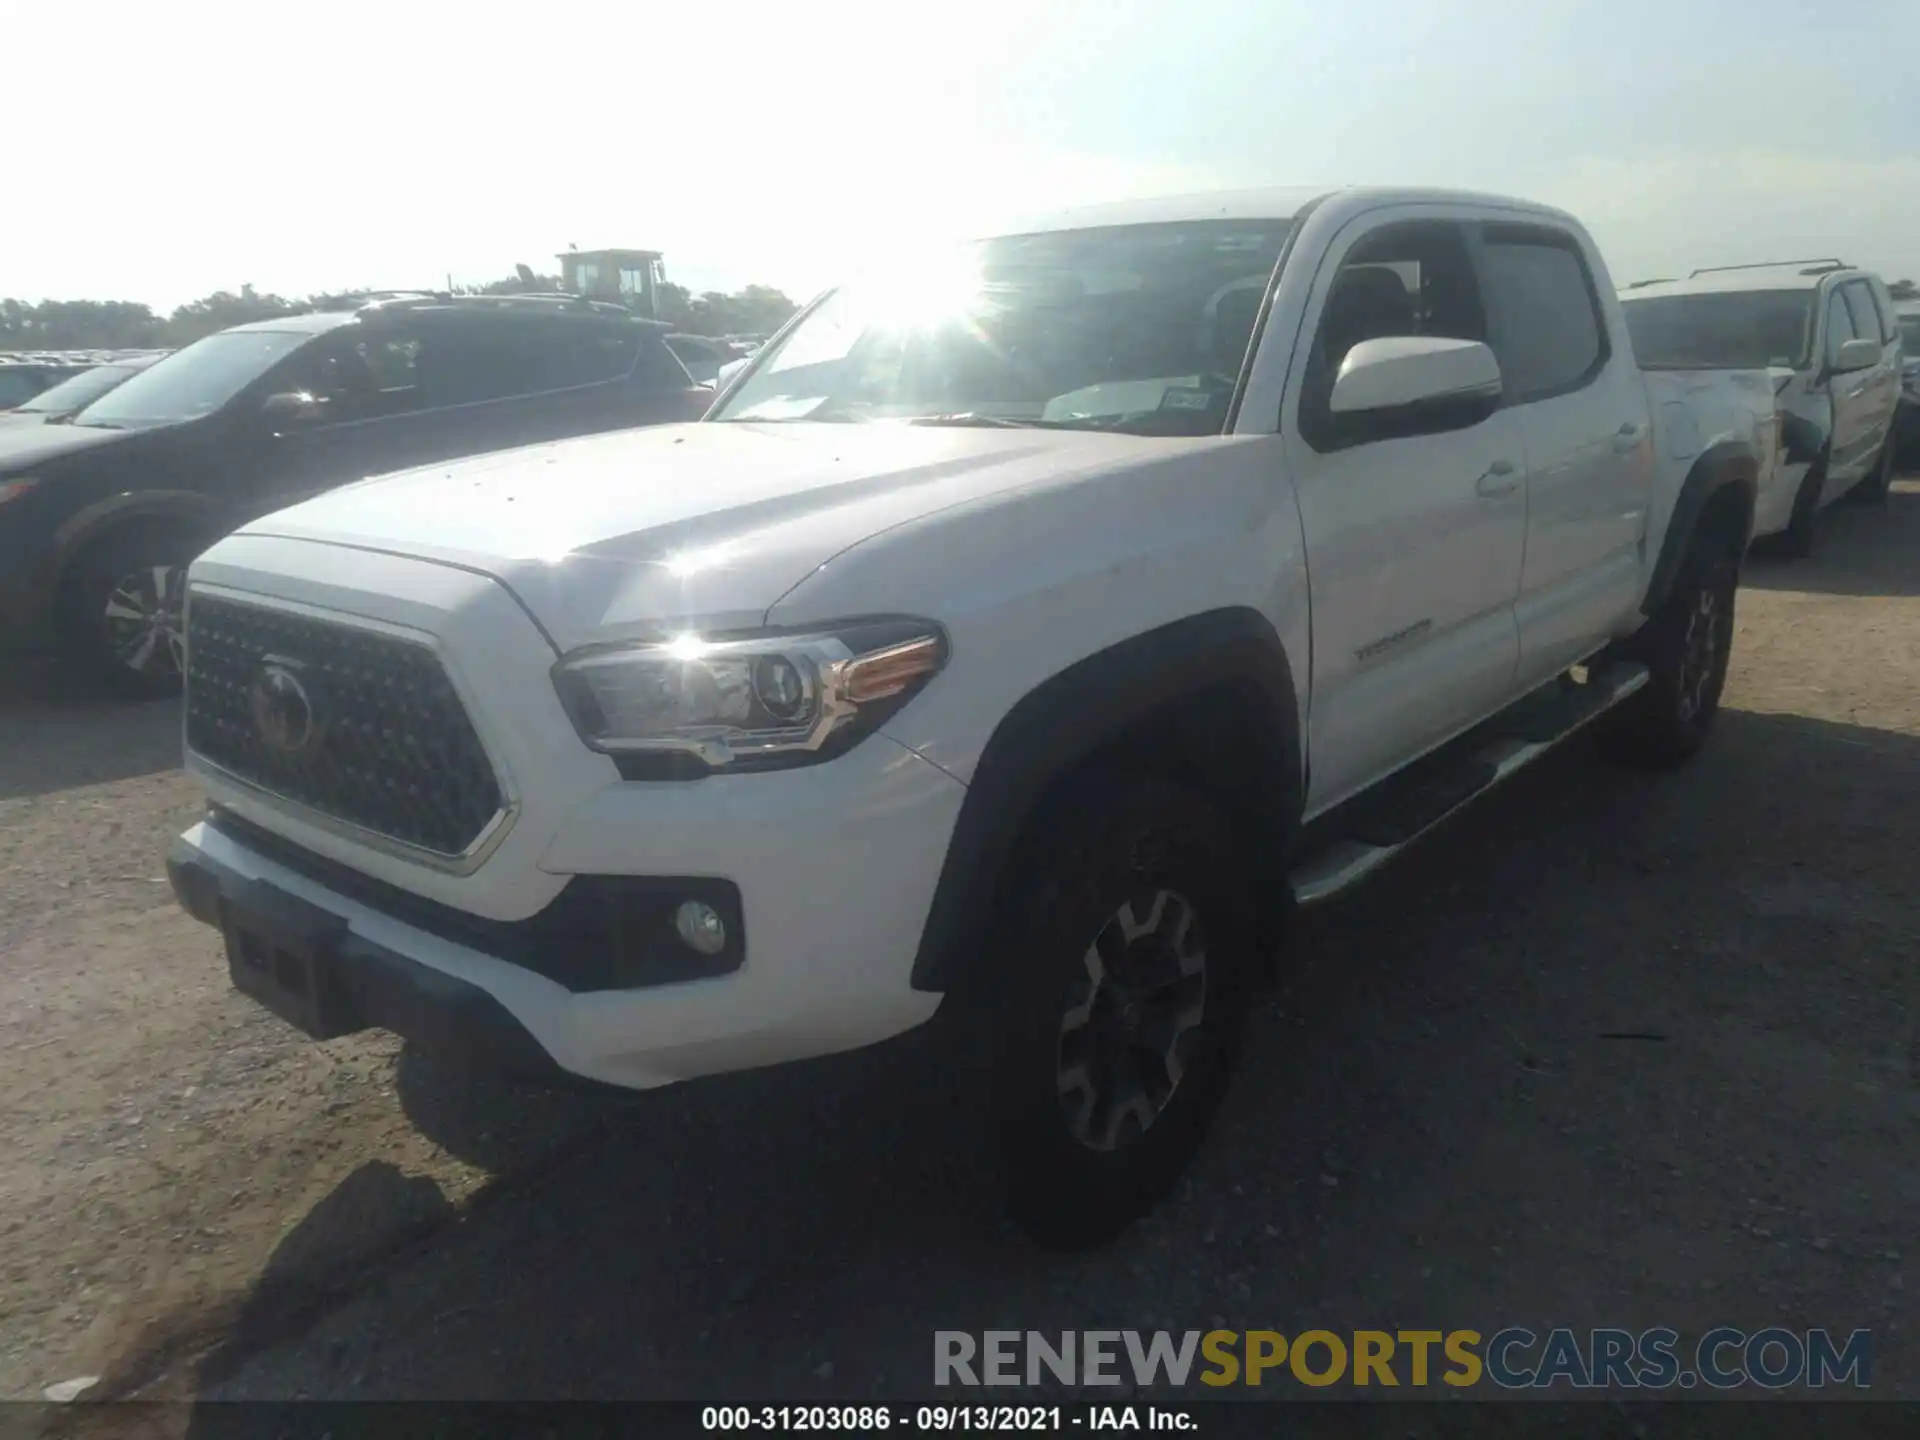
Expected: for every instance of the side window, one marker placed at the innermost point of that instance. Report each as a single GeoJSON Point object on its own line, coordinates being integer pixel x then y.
{"type": "Point", "coordinates": [357, 376]}
{"type": "Point", "coordinates": [1549, 334]}
{"type": "Point", "coordinates": [1409, 279]}
{"type": "Point", "coordinates": [1839, 325]}
{"type": "Point", "coordinates": [393, 359]}
{"type": "Point", "coordinates": [658, 369]}
{"type": "Point", "coordinates": [603, 353]}
{"type": "Point", "coordinates": [1883, 307]}
{"type": "Point", "coordinates": [393, 362]}
{"type": "Point", "coordinates": [567, 352]}
{"type": "Point", "coordinates": [479, 359]}
{"type": "Point", "coordinates": [1866, 317]}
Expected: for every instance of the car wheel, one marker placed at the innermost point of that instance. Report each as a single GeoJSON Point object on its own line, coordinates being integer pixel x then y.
{"type": "Point", "coordinates": [1796, 542]}
{"type": "Point", "coordinates": [122, 610]}
{"type": "Point", "coordinates": [1128, 959]}
{"type": "Point", "coordinates": [1686, 646]}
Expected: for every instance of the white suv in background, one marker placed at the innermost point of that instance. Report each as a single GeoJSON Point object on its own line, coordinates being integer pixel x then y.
{"type": "Point", "coordinates": [1828, 334]}
{"type": "Point", "coordinates": [1907, 421]}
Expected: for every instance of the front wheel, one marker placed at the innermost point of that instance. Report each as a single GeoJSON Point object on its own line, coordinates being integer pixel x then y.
{"type": "Point", "coordinates": [1128, 959]}
{"type": "Point", "coordinates": [122, 610]}
{"type": "Point", "coordinates": [1686, 647]}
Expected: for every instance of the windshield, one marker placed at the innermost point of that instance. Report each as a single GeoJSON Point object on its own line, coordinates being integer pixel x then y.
{"type": "Point", "coordinates": [1910, 336]}
{"type": "Point", "coordinates": [1140, 328]}
{"type": "Point", "coordinates": [1733, 330]}
{"type": "Point", "coordinates": [82, 389]}
{"type": "Point", "coordinates": [192, 382]}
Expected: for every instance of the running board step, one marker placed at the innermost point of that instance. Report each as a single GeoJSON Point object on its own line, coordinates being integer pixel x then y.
{"type": "Point", "coordinates": [1345, 846]}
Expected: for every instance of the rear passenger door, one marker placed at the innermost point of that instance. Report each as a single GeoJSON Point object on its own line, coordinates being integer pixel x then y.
{"type": "Point", "coordinates": [496, 381]}
{"type": "Point", "coordinates": [1581, 405]}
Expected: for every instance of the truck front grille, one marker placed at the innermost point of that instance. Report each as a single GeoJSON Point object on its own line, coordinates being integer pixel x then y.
{"type": "Point", "coordinates": [358, 725]}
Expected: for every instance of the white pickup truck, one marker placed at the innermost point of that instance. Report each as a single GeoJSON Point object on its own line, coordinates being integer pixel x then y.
{"type": "Point", "coordinates": [1019, 637]}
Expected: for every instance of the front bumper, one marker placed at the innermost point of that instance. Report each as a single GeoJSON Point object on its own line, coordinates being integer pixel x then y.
{"type": "Point", "coordinates": [451, 1017]}
{"type": "Point", "coordinates": [834, 865]}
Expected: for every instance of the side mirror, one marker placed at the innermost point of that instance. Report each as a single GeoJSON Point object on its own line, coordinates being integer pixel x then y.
{"type": "Point", "coordinates": [1410, 373]}
{"type": "Point", "coordinates": [1856, 355]}
{"type": "Point", "coordinates": [292, 409]}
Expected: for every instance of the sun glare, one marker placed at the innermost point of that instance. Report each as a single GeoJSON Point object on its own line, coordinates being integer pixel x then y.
{"type": "Point", "coordinates": [929, 294]}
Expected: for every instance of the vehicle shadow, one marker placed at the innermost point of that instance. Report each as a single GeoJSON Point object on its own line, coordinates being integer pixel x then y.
{"type": "Point", "coordinates": [499, 1126]}
{"type": "Point", "coordinates": [1861, 550]}
{"type": "Point", "coordinates": [1544, 1066]}
{"type": "Point", "coordinates": [59, 731]}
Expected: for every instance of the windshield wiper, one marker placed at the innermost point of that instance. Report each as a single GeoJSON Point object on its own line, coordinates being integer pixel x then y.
{"type": "Point", "coordinates": [973, 419]}
{"type": "Point", "coordinates": [969, 419]}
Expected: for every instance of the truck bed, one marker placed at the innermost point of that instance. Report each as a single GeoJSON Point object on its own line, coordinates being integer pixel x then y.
{"type": "Point", "coordinates": [1695, 409]}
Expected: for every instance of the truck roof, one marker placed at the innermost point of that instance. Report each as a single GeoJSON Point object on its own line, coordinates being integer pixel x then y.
{"type": "Point", "coordinates": [1281, 202]}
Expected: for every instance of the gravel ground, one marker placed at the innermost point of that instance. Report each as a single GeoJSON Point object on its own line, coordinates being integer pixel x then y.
{"type": "Point", "coordinates": [1618, 1051]}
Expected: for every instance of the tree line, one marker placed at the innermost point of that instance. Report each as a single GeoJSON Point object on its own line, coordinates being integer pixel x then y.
{"type": "Point", "coordinates": [129, 325]}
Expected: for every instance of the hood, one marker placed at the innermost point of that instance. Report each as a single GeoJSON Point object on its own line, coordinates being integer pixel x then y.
{"type": "Point", "coordinates": [23, 446]}
{"type": "Point", "coordinates": [617, 536]}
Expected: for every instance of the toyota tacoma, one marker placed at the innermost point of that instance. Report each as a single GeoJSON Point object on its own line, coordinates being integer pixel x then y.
{"type": "Point", "coordinates": [1024, 632]}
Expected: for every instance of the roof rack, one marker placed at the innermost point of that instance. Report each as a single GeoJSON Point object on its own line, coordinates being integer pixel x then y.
{"type": "Point", "coordinates": [381, 299]}
{"type": "Point", "coordinates": [550, 299]}
{"type": "Point", "coordinates": [1664, 280]}
{"type": "Point", "coordinates": [384, 300]}
{"type": "Point", "coordinates": [1813, 267]}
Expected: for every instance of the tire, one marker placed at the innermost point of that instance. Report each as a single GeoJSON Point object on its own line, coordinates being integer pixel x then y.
{"type": "Point", "coordinates": [1796, 541]}
{"type": "Point", "coordinates": [1879, 484]}
{"type": "Point", "coordinates": [1686, 647]}
{"type": "Point", "coordinates": [120, 609]}
{"type": "Point", "coordinates": [1128, 959]}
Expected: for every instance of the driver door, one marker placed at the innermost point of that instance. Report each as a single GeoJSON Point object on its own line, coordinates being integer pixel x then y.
{"type": "Point", "coordinates": [1415, 540]}
{"type": "Point", "coordinates": [355, 384]}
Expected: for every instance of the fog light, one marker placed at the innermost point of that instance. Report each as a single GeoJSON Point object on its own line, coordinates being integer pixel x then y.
{"type": "Point", "coordinates": [701, 927]}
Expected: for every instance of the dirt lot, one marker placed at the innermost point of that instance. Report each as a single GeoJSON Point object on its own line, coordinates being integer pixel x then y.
{"type": "Point", "coordinates": [1618, 1051]}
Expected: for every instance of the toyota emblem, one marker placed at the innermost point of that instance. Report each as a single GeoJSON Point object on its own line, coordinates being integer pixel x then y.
{"type": "Point", "coordinates": [282, 710]}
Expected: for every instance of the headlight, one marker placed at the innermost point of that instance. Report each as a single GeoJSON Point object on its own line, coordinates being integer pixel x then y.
{"type": "Point", "coordinates": [15, 488]}
{"type": "Point", "coordinates": [746, 702]}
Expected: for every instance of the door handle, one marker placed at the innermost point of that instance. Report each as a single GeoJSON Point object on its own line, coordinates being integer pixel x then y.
{"type": "Point", "coordinates": [1502, 478]}
{"type": "Point", "coordinates": [1626, 438]}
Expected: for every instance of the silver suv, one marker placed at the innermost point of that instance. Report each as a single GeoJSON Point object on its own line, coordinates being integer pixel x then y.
{"type": "Point", "coordinates": [1828, 334]}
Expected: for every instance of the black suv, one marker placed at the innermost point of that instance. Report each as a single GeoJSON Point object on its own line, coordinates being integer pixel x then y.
{"type": "Point", "coordinates": [100, 516]}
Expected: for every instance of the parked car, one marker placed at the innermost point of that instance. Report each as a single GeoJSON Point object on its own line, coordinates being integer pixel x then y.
{"type": "Point", "coordinates": [78, 391]}
{"type": "Point", "coordinates": [25, 375]}
{"type": "Point", "coordinates": [99, 516]}
{"type": "Point", "coordinates": [1828, 334]}
{"type": "Point", "coordinates": [1010, 651]}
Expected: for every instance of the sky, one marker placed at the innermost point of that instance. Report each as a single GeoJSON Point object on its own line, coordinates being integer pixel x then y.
{"type": "Point", "coordinates": [199, 145]}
